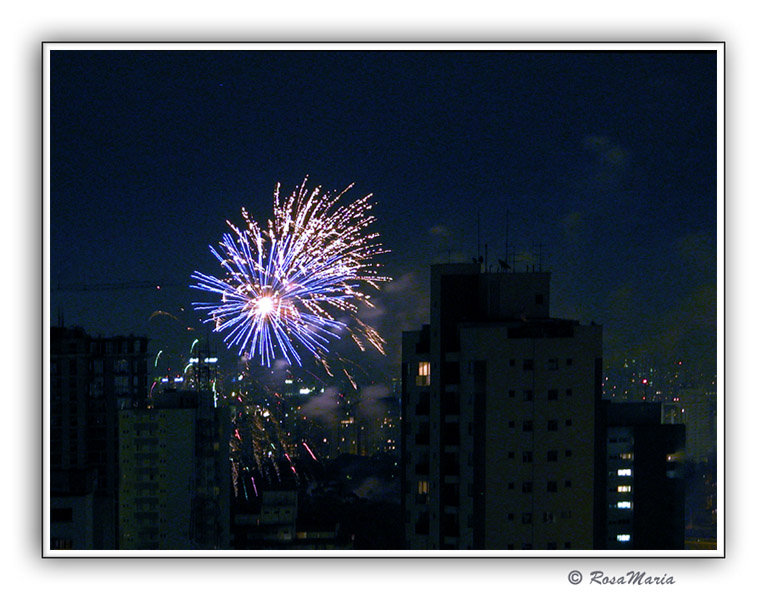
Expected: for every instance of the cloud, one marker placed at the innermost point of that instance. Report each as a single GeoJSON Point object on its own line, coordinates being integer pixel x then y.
{"type": "Point", "coordinates": [573, 224]}
{"type": "Point", "coordinates": [370, 405]}
{"type": "Point", "coordinates": [612, 160]}
{"type": "Point", "coordinates": [697, 251]}
{"type": "Point", "coordinates": [324, 407]}
{"type": "Point", "coordinates": [440, 231]}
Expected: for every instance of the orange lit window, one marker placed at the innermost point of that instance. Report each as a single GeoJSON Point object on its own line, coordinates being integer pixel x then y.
{"type": "Point", "coordinates": [424, 374]}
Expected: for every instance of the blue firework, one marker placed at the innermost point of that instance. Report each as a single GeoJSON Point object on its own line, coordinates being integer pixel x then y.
{"type": "Point", "coordinates": [297, 283]}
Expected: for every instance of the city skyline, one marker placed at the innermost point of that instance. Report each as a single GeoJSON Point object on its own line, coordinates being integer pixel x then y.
{"type": "Point", "coordinates": [596, 167]}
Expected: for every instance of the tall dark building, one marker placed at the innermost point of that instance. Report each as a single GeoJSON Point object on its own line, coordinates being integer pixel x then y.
{"type": "Point", "coordinates": [645, 479]}
{"type": "Point", "coordinates": [91, 378]}
{"type": "Point", "coordinates": [502, 429]}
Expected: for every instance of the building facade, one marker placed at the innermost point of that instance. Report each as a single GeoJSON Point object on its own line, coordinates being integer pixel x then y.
{"type": "Point", "coordinates": [174, 474]}
{"type": "Point", "coordinates": [91, 379]}
{"type": "Point", "coordinates": [502, 418]}
{"type": "Point", "coordinates": [645, 479]}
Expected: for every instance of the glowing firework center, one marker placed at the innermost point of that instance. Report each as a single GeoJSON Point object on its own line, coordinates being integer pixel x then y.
{"type": "Point", "coordinates": [297, 283]}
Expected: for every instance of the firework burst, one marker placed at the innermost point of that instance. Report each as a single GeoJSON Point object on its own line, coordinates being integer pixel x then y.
{"type": "Point", "coordinates": [299, 281]}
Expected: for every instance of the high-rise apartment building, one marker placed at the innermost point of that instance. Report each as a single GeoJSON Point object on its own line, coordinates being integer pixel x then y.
{"type": "Point", "coordinates": [645, 479]}
{"type": "Point", "coordinates": [502, 418]}
{"type": "Point", "coordinates": [91, 379]}
{"type": "Point", "coordinates": [174, 474]}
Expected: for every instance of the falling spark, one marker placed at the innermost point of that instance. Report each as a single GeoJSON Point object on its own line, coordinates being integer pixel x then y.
{"type": "Point", "coordinates": [309, 451]}
{"type": "Point", "coordinates": [298, 282]}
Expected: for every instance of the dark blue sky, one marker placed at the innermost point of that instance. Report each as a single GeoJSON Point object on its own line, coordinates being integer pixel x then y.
{"type": "Point", "coordinates": [607, 159]}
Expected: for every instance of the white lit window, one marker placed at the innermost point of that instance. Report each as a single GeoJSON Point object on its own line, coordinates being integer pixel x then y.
{"type": "Point", "coordinates": [624, 504]}
{"type": "Point", "coordinates": [623, 537]}
{"type": "Point", "coordinates": [627, 455]}
{"type": "Point", "coordinates": [624, 488]}
{"type": "Point", "coordinates": [624, 472]}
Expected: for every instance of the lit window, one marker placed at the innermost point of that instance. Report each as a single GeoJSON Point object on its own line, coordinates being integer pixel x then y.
{"type": "Point", "coordinates": [623, 537]}
{"type": "Point", "coordinates": [424, 374]}
{"type": "Point", "coordinates": [624, 504]}
{"type": "Point", "coordinates": [624, 488]}
{"type": "Point", "coordinates": [627, 455]}
{"type": "Point", "coordinates": [423, 487]}
{"type": "Point", "coordinates": [624, 472]}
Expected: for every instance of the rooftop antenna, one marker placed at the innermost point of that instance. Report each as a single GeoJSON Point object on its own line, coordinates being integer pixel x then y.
{"type": "Point", "coordinates": [539, 248]}
{"type": "Point", "coordinates": [506, 255]}
{"type": "Point", "coordinates": [479, 252]}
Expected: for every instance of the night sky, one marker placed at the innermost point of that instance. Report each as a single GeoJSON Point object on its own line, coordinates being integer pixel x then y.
{"type": "Point", "coordinates": [605, 159]}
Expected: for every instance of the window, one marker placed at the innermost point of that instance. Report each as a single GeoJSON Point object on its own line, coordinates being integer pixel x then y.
{"type": "Point", "coordinates": [529, 395]}
{"type": "Point", "coordinates": [622, 489]}
{"type": "Point", "coordinates": [527, 426]}
{"type": "Point", "coordinates": [568, 483]}
{"type": "Point", "coordinates": [551, 486]}
{"type": "Point", "coordinates": [527, 457]}
{"type": "Point", "coordinates": [623, 537]}
{"type": "Point", "coordinates": [553, 394]}
{"type": "Point", "coordinates": [568, 422]}
{"type": "Point", "coordinates": [528, 364]}
{"type": "Point", "coordinates": [423, 487]}
{"type": "Point", "coordinates": [551, 456]}
{"type": "Point", "coordinates": [527, 487]}
{"type": "Point", "coordinates": [511, 455]}
{"type": "Point", "coordinates": [548, 517]}
{"type": "Point", "coordinates": [511, 424]}
{"type": "Point", "coordinates": [512, 393]}
{"type": "Point", "coordinates": [624, 472]}
{"type": "Point", "coordinates": [539, 298]}
{"type": "Point", "coordinates": [623, 505]}
{"type": "Point", "coordinates": [552, 425]}
{"type": "Point", "coordinates": [512, 362]}
{"type": "Point", "coordinates": [527, 518]}
{"type": "Point", "coordinates": [568, 392]}
{"type": "Point", "coordinates": [61, 515]}
{"type": "Point", "coordinates": [510, 486]}
{"type": "Point", "coordinates": [424, 374]}
{"type": "Point", "coordinates": [569, 362]}
{"type": "Point", "coordinates": [511, 516]}
{"type": "Point", "coordinates": [552, 364]}
{"type": "Point", "coordinates": [568, 453]}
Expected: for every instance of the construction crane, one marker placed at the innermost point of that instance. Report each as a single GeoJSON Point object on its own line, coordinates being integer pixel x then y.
{"type": "Point", "coordinates": [117, 285]}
